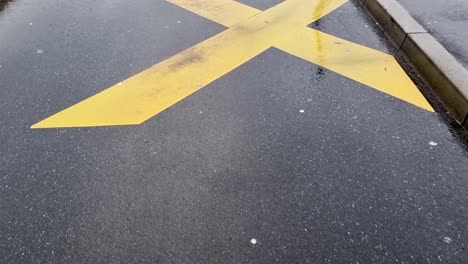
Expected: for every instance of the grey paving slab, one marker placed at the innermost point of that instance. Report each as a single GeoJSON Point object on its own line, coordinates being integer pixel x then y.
{"type": "Point", "coordinates": [447, 21]}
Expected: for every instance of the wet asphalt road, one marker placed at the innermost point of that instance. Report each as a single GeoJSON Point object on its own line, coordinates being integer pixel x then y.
{"type": "Point", "coordinates": [356, 177]}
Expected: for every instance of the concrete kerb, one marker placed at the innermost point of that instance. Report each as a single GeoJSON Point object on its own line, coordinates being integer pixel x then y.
{"type": "Point", "coordinates": [447, 77]}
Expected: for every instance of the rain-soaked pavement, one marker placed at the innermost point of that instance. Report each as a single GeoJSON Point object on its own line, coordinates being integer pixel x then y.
{"type": "Point", "coordinates": [278, 161]}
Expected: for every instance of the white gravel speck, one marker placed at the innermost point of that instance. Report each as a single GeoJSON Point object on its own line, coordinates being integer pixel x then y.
{"type": "Point", "coordinates": [447, 240]}
{"type": "Point", "coordinates": [302, 111]}
{"type": "Point", "coordinates": [253, 241]}
{"type": "Point", "coordinates": [39, 51]}
{"type": "Point", "coordinates": [432, 143]}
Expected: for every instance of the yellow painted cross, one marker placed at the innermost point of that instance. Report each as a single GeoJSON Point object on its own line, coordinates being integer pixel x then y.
{"type": "Point", "coordinates": [250, 32]}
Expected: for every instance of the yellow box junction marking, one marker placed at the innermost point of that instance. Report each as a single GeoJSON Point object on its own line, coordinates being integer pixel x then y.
{"type": "Point", "coordinates": [250, 33]}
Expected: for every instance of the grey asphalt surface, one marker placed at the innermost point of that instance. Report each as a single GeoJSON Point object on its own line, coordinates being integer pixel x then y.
{"type": "Point", "coordinates": [447, 21]}
{"type": "Point", "coordinates": [358, 177]}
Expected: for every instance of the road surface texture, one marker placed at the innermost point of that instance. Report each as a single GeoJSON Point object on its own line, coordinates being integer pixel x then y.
{"type": "Point", "coordinates": [278, 160]}
{"type": "Point", "coordinates": [446, 21]}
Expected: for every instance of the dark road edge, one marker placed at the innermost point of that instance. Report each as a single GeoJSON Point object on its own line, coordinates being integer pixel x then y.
{"type": "Point", "coordinates": [444, 74]}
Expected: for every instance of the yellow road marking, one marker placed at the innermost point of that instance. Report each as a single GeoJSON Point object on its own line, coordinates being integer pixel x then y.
{"type": "Point", "coordinates": [365, 65]}
{"type": "Point", "coordinates": [368, 66]}
{"type": "Point", "coordinates": [252, 32]}
{"type": "Point", "coordinates": [225, 12]}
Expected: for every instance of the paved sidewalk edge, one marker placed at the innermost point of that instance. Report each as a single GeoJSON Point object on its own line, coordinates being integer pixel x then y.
{"type": "Point", "coordinates": [446, 76]}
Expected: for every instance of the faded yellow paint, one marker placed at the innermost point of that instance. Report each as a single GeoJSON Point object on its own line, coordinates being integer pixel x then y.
{"type": "Point", "coordinates": [252, 32]}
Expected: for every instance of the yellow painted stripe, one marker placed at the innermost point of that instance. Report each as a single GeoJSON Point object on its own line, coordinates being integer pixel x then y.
{"type": "Point", "coordinates": [370, 67]}
{"type": "Point", "coordinates": [365, 65]}
{"type": "Point", "coordinates": [224, 12]}
{"type": "Point", "coordinates": [157, 88]}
